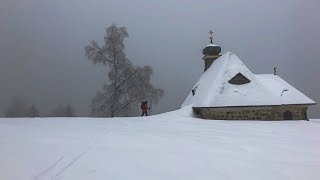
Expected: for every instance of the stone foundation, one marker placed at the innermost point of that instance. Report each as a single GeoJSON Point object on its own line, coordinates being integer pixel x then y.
{"type": "Point", "coordinates": [283, 112]}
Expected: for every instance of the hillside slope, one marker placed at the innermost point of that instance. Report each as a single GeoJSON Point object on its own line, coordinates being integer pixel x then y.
{"type": "Point", "coordinates": [167, 146]}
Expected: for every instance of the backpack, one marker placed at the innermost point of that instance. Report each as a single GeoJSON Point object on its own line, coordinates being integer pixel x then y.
{"type": "Point", "coordinates": [143, 104]}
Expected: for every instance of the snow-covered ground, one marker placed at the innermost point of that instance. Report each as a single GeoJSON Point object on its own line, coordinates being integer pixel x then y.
{"type": "Point", "coordinates": [170, 146]}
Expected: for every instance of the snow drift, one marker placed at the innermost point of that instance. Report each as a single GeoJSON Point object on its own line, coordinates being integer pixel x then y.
{"type": "Point", "coordinates": [173, 146]}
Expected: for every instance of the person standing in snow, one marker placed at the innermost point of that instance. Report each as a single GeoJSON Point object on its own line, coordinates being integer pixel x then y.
{"type": "Point", "coordinates": [144, 108]}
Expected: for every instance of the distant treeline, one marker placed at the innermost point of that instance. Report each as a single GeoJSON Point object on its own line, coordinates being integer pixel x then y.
{"type": "Point", "coordinates": [19, 108]}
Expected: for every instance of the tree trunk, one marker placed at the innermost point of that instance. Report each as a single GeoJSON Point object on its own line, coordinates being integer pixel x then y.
{"type": "Point", "coordinates": [115, 84]}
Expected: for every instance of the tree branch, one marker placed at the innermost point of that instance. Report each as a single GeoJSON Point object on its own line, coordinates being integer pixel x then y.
{"type": "Point", "coordinates": [135, 99]}
{"type": "Point", "coordinates": [121, 83]}
{"type": "Point", "coordinates": [126, 79]}
{"type": "Point", "coordinates": [105, 58]}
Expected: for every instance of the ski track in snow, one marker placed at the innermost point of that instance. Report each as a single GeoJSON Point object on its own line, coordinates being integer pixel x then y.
{"type": "Point", "coordinates": [73, 161]}
{"type": "Point", "coordinates": [45, 171]}
{"type": "Point", "coordinates": [88, 149]}
{"type": "Point", "coordinates": [59, 173]}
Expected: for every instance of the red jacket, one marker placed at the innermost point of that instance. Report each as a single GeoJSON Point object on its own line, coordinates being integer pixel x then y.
{"type": "Point", "coordinates": [144, 107]}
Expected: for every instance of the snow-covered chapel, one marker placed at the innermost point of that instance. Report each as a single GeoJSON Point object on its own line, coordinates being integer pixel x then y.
{"type": "Point", "coordinates": [228, 90]}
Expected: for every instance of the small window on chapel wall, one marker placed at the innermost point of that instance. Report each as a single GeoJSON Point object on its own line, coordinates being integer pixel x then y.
{"type": "Point", "coordinates": [194, 90]}
{"type": "Point", "coordinates": [239, 79]}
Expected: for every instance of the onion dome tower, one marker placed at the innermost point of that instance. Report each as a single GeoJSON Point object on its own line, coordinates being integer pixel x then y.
{"type": "Point", "coordinates": [211, 52]}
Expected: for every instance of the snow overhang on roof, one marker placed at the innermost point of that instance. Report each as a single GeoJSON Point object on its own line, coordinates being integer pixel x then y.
{"type": "Point", "coordinates": [212, 45]}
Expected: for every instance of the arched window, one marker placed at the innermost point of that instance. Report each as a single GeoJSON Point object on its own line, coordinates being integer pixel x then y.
{"type": "Point", "coordinates": [239, 79]}
{"type": "Point", "coordinates": [287, 115]}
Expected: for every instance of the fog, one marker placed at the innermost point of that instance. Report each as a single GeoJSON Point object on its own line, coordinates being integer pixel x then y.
{"type": "Point", "coordinates": [42, 57]}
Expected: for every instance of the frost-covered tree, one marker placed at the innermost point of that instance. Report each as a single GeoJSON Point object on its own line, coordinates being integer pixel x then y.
{"type": "Point", "coordinates": [69, 111]}
{"type": "Point", "coordinates": [17, 108]}
{"type": "Point", "coordinates": [63, 111]}
{"type": "Point", "coordinates": [127, 84]}
{"type": "Point", "coordinates": [33, 111]}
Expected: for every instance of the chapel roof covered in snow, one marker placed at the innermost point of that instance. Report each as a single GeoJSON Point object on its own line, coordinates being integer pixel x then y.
{"type": "Point", "coordinates": [228, 82]}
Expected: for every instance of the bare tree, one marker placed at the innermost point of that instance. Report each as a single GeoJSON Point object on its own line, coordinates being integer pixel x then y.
{"type": "Point", "coordinates": [128, 84]}
{"type": "Point", "coordinates": [33, 111]}
{"type": "Point", "coordinates": [63, 111]}
{"type": "Point", "coordinates": [69, 111]}
{"type": "Point", "coordinates": [17, 108]}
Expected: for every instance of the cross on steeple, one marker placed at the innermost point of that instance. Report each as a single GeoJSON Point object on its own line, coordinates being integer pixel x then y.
{"type": "Point", "coordinates": [211, 36]}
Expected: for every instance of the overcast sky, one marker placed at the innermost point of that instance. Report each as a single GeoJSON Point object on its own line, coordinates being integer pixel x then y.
{"type": "Point", "coordinates": [42, 56]}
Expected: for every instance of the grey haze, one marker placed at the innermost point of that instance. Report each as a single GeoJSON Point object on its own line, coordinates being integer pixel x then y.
{"type": "Point", "coordinates": [42, 57]}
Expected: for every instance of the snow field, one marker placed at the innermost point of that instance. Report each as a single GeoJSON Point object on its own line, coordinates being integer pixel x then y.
{"type": "Point", "coordinates": [167, 146]}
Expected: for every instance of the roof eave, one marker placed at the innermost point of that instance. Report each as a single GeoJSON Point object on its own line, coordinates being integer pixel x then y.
{"type": "Point", "coordinates": [308, 104]}
{"type": "Point", "coordinates": [305, 104]}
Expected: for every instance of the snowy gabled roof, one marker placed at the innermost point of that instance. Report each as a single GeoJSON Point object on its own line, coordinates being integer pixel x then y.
{"type": "Point", "coordinates": [214, 90]}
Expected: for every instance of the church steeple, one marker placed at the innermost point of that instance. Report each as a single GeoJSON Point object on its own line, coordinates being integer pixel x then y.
{"type": "Point", "coordinates": [211, 52]}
